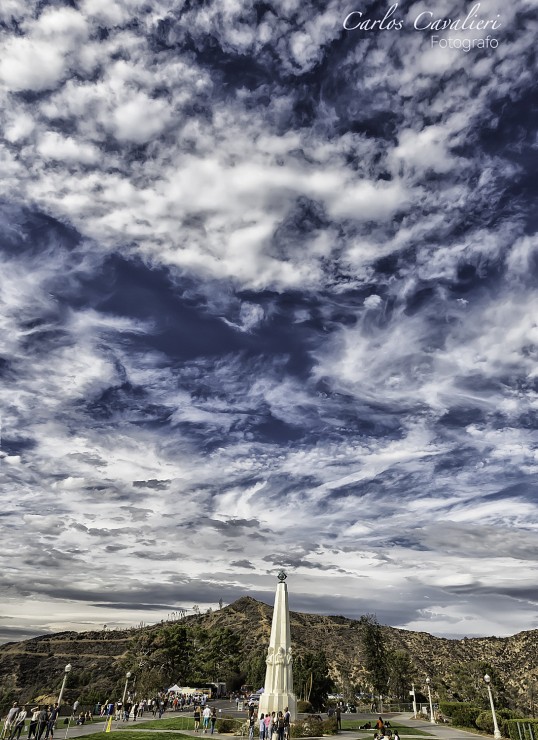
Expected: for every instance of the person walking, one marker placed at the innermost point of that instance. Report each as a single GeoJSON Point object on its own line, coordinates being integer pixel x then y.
{"type": "Point", "coordinates": [18, 724]}
{"type": "Point", "coordinates": [287, 721]}
{"type": "Point", "coordinates": [42, 722]}
{"type": "Point", "coordinates": [196, 716]}
{"type": "Point", "coordinates": [206, 714]}
{"type": "Point", "coordinates": [51, 723]}
{"type": "Point", "coordinates": [338, 717]}
{"type": "Point", "coordinates": [10, 719]}
{"type": "Point", "coordinates": [268, 726]}
{"type": "Point", "coordinates": [32, 728]}
{"type": "Point", "coordinates": [280, 726]}
{"type": "Point", "coordinates": [213, 719]}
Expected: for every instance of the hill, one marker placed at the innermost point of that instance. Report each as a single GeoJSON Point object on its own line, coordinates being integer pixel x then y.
{"type": "Point", "coordinates": [230, 644]}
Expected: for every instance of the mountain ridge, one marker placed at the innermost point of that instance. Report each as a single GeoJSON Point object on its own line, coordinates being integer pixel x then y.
{"type": "Point", "coordinates": [99, 658]}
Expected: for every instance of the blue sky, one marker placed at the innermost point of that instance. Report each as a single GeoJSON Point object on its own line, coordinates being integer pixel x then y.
{"type": "Point", "coordinates": [269, 300]}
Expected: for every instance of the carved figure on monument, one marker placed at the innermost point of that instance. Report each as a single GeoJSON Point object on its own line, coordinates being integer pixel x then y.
{"type": "Point", "coordinates": [280, 671]}
{"type": "Point", "coordinates": [270, 660]}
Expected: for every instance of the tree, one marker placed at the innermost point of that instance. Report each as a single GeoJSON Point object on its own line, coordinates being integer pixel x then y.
{"type": "Point", "coordinates": [311, 679]}
{"type": "Point", "coordinates": [400, 671]}
{"type": "Point", "coordinates": [255, 668]}
{"type": "Point", "coordinates": [467, 684]}
{"type": "Point", "coordinates": [374, 653]}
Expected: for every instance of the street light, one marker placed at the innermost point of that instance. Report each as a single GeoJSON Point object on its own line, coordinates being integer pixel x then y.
{"type": "Point", "coordinates": [496, 731]}
{"type": "Point", "coordinates": [432, 718]}
{"type": "Point", "coordinates": [414, 700]}
{"type": "Point", "coordinates": [127, 677]}
{"type": "Point", "coordinates": [66, 671]}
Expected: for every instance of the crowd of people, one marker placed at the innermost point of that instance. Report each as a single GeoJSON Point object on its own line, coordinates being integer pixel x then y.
{"type": "Point", "coordinates": [270, 726]}
{"type": "Point", "coordinates": [273, 726]}
{"type": "Point", "coordinates": [41, 725]}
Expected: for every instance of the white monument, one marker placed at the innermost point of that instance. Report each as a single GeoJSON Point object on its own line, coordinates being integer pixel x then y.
{"type": "Point", "coordinates": [278, 690]}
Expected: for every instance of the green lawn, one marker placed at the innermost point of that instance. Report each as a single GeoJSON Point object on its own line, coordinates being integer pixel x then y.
{"type": "Point", "coordinates": [130, 735]}
{"type": "Point", "coordinates": [176, 723]}
{"type": "Point", "coordinates": [403, 730]}
{"type": "Point", "coordinates": [185, 722]}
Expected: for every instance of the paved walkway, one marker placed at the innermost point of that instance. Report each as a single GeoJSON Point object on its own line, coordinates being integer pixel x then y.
{"type": "Point", "coordinates": [442, 732]}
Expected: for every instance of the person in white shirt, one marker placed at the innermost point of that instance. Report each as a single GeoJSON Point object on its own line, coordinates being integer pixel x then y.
{"type": "Point", "coordinates": [18, 724]}
{"type": "Point", "coordinates": [206, 715]}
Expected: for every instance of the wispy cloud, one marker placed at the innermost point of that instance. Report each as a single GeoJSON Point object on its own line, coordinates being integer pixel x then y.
{"type": "Point", "coordinates": [268, 300]}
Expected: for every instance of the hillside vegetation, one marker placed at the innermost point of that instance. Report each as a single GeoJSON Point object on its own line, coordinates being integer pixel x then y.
{"type": "Point", "coordinates": [230, 644]}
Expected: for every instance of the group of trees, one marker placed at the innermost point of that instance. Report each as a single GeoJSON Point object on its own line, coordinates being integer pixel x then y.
{"type": "Point", "coordinates": [188, 653]}
{"type": "Point", "coordinates": [391, 673]}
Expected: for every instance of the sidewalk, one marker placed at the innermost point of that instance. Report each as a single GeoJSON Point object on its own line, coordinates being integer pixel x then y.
{"type": "Point", "coordinates": [442, 732]}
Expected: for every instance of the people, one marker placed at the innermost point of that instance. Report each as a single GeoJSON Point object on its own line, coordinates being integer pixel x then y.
{"type": "Point", "coordinates": [10, 719]}
{"type": "Point", "coordinates": [81, 719]}
{"type": "Point", "coordinates": [32, 729]}
{"type": "Point", "coordinates": [268, 726]}
{"type": "Point", "coordinates": [206, 714]}
{"type": "Point", "coordinates": [380, 726]}
{"type": "Point", "coordinates": [51, 724]}
{"type": "Point", "coordinates": [213, 719]}
{"type": "Point", "coordinates": [287, 722]}
{"type": "Point", "coordinates": [196, 716]}
{"type": "Point", "coordinates": [42, 722]}
{"type": "Point", "coordinates": [280, 725]}
{"type": "Point", "coordinates": [18, 724]}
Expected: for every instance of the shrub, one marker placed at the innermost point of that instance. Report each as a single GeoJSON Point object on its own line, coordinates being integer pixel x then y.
{"type": "Point", "coordinates": [304, 707]}
{"type": "Point", "coordinates": [329, 726]}
{"type": "Point", "coordinates": [461, 713]}
{"type": "Point", "coordinates": [520, 729]}
{"type": "Point", "coordinates": [313, 727]}
{"type": "Point", "coordinates": [226, 724]}
{"type": "Point", "coordinates": [484, 721]}
{"type": "Point", "coordinates": [308, 727]}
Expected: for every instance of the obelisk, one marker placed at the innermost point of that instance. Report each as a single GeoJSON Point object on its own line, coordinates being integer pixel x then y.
{"type": "Point", "coordinates": [278, 689]}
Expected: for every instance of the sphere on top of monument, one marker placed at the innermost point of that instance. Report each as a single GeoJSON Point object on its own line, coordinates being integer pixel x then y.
{"type": "Point", "coordinates": [282, 576]}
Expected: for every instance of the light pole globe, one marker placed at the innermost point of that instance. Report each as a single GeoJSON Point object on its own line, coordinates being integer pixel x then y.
{"type": "Point", "coordinates": [66, 671]}
{"type": "Point", "coordinates": [127, 677]}
{"type": "Point", "coordinates": [432, 718]}
{"type": "Point", "coordinates": [496, 731]}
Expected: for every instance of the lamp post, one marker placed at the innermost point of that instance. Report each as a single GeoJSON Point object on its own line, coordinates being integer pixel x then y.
{"type": "Point", "coordinates": [414, 700]}
{"type": "Point", "coordinates": [66, 671]}
{"type": "Point", "coordinates": [432, 718]}
{"type": "Point", "coordinates": [127, 677]}
{"type": "Point", "coordinates": [496, 731]}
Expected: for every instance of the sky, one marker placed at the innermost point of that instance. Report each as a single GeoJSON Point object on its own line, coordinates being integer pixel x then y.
{"type": "Point", "coordinates": [268, 286]}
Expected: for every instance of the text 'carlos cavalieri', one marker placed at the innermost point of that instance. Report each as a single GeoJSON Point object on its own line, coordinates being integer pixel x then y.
{"type": "Point", "coordinates": [426, 20]}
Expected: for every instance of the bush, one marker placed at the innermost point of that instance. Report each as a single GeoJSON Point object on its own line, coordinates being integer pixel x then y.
{"type": "Point", "coordinates": [329, 726]}
{"type": "Point", "coordinates": [461, 713]}
{"type": "Point", "coordinates": [304, 707]}
{"type": "Point", "coordinates": [308, 727]}
{"type": "Point", "coordinates": [227, 724]}
{"type": "Point", "coordinates": [520, 729]}
{"type": "Point", "coordinates": [484, 721]}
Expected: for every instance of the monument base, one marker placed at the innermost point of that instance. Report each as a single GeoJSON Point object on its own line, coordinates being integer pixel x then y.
{"type": "Point", "coordinates": [278, 703]}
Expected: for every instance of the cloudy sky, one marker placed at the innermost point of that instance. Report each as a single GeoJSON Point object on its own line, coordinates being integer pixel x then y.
{"type": "Point", "coordinates": [268, 299]}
